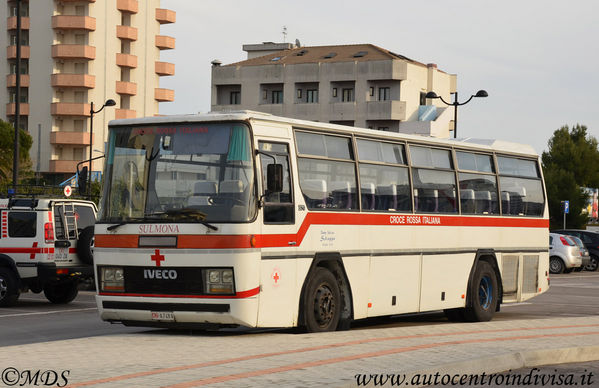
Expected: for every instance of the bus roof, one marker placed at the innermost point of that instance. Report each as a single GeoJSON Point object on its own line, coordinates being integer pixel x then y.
{"type": "Point", "coordinates": [248, 115]}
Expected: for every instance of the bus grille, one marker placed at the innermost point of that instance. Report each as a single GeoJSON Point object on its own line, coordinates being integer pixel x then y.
{"type": "Point", "coordinates": [531, 270]}
{"type": "Point", "coordinates": [142, 280]}
{"type": "Point", "coordinates": [510, 274]}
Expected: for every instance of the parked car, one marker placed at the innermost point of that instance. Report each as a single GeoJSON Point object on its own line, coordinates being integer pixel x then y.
{"type": "Point", "coordinates": [45, 245]}
{"type": "Point", "coordinates": [590, 241]}
{"type": "Point", "coordinates": [564, 255]}
{"type": "Point", "coordinates": [584, 253]}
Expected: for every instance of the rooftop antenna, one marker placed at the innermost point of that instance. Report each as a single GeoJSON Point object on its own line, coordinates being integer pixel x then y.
{"type": "Point", "coordinates": [284, 34]}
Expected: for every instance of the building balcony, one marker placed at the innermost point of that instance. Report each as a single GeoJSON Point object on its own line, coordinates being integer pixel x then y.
{"type": "Point", "coordinates": [73, 22]}
{"type": "Point", "coordinates": [11, 23]}
{"type": "Point", "coordinates": [126, 32]}
{"type": "Point", "coordinates": [73, 51]}
{"type": "Point", "coordinates": [125, 114]}
{"type": "Point", "coordinates": [165, 68]}
{"type": "Point", "coordinates": [165, 16]}
{"type": "Point", "coordinates": [126, 60]}
{"type": "Point", "coordinates": [164, 42]}
{"type": "Point", "coordinates": [11, 80]}
{"type": "Point", "coordinates": [23, 109]}
{"type": "Point", "coordinates": [165, 95]}
{"type": "Point", "coordinates": [127, 6]}
{"type": "Point", "coordinates": [64, 166]}
{"type": "Point", "coordinates": [386, 110]}
{"type": "Point", "coordinates": [11, 52]}
{"type": "Point", "coordinates": [342, 111]}
{"type": "Point", "coordinates": [74, 80]}
{"type": "Point", "coordinates": [127, 88]}
{"type": "Point", "coordinates": [69, 138]}
{"type": "Point", "coordinates": [69, 109]}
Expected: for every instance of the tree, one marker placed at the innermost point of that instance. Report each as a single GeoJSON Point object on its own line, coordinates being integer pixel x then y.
{"type": "Point", "coordinates": [569, 165]}
{"type": "Point", "coordinates": [7, 138]}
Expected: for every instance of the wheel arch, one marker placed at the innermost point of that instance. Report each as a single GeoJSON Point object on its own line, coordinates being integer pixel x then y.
{"type": "Point", "coordinates": [7, 261]}
{"type": "Point", "coordinates": [334, 263]}
{"type": "Point", "coordinates": [490, 257]}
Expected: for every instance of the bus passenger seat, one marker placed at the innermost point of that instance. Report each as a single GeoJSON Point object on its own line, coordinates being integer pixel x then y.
{"type": "Point", "coordinates": [315, 192]}
{"type": "Point", "coordinates": [467, 201]}
{"type": "Point", "coordinates": [368, 195]}
{"type": "Point", "coordinates": [387, 197]}
{"type": "Point", "coordinates": [483, 202]}
{"type": "Point", "coordinates": [505, 202]}
{"type": "Point", "coordinates": [341, 193]}
{"type": "Point", "coordinates": [202, 190]}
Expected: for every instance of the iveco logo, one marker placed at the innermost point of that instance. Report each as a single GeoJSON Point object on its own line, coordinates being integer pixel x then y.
{"type": "Point", "coordinates": [160, 274]}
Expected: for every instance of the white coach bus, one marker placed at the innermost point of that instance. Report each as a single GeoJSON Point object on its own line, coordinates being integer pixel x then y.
{"type": "Point", "coordinates": [249, 219]}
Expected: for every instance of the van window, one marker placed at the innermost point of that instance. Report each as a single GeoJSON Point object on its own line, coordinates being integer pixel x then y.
{"type": "Point", "coordinates": [22, 224]}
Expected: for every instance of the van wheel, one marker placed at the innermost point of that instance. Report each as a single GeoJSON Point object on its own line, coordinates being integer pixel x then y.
{"type": "Point", "coordinates": [484, 295]}
{"type": "Point", "coordinates": [556, 265]}
{"type": "Point", "coordinates": [61, 293]}
{"type": "Point", "coordinates": [85, 244]}
{"type": "Point", "coordinates": [9, 291]}
{"type": "Point", "coordinates": [322, 302]}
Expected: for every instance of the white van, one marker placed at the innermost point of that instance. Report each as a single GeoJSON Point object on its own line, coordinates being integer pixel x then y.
{"type": "Point", "coordinates": [45, 245]}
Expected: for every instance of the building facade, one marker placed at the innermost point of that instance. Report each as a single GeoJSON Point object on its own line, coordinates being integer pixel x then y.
{"type": "Point", "coordinates": [358, 85]}
{"type": "Point", "coordinates": [75, 53]}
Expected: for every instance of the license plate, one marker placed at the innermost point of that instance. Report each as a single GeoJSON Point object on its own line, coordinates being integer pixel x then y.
{"type": "Point", "coordinates": [163, 316]}
{"type": "Point", "coordinates": [61, 254]}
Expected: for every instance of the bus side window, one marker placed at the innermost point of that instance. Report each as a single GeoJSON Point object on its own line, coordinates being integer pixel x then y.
{"type": "Point", "coordinates": [278, 207]}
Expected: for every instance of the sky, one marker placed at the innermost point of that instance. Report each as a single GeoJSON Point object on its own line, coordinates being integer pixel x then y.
{"type": "Point", "coordinates": [536, 59]}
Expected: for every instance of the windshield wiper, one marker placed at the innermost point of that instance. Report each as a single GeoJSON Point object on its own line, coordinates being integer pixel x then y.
{"type": "Point", "coordinates": [187, 214]}
{"type": "Point", "coordinates": [135, 219]}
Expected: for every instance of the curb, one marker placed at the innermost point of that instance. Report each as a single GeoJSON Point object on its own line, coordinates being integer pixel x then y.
{"type": "Point", "coordinates": [503, 363]}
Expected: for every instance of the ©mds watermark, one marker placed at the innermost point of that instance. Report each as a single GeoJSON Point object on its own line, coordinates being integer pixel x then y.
{"type": "Point", "coordinates": [14, 377]}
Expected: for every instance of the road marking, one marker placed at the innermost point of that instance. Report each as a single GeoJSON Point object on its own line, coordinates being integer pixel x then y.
{"type": "Point", "coordinates": [47, 312]}
{"type": "Point", "coordinates": [514, 304]}
{"type": "Point", "coordinates": [310, 349]}
{"type": "Point", "coordinates": [336, 360]}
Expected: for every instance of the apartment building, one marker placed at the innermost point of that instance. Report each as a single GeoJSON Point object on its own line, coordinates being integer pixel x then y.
{"type": "Point", "coordinates": [75, 53]}
{"type": "Point", "coordinates": [359, 85]}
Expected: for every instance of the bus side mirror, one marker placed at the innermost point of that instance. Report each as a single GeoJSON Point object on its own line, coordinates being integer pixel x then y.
{"type": "Point", "coordinates": [82, 180]}
{"type": "Point", "coordinates": [274, 178]}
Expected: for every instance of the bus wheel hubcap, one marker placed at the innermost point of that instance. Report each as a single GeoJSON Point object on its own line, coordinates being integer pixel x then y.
{"type": "Point", "coordinates": [485, 292]}
{"type": "Point", "coordinates": [324, 306]}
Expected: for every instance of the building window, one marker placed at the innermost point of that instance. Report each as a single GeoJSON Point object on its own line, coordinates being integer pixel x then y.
{"type": "Point", "coordinates": [312, 96]}
{"type": "Point", "coordinates": [334, 92]}
{"type": "Point", "coordinates": [371, 91]}
{"type": "Point", "coordinates": [235, 98]}
{"type": "Point", "coordinates": [299, 93]}
{"type": "Point", "coordinates": [277, 97]}
{"type": "Point", "coordinates": [348, 95]}
{"type": "Point", "coordinates": [384, 94]}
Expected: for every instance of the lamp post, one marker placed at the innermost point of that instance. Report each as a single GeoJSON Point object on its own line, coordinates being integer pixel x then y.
{"type": "Point", "coordinates": [455, 104]}
{"type": "Point", "coordinates": [109, 102]}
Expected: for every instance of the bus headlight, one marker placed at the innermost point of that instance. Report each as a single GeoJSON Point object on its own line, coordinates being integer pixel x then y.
{"type": "Point", "coordinates": [218, 281]}
{"type": "Point", "coordinates": [112, 279]}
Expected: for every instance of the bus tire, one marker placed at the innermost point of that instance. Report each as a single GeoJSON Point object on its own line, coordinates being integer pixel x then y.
{"type": "Point", "coordinates": [485, 294]}
{"type": "Point", "coordinates": [61, 293]}
{"type": "Point", "coordinates": [556, 265]}
{"type": "Point", "coordinates": [9, 290]}
{"type": "Point", "coordinates": [322, 302]}
{"type": "Point", "coordinates": [84, 245]}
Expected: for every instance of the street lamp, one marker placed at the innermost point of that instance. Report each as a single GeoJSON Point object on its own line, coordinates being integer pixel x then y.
{"type": "Point", "coordinates": [455, 104]}
{"type": "Point", "coordinates": [109, 102]}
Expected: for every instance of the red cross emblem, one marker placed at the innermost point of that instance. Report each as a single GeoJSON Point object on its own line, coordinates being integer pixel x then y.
{"type": "Point", "coordinates": [276, 276]}
{"type": "Point", "coordinates": [32, 254]}
{"type": "Point", "coordinates": [157, 257]}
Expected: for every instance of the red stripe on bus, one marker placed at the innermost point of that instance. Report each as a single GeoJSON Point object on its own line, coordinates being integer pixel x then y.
{"type": "Point", "coordinates": [282, 240]}
{"type": "Point", "coordinates": [238, 295]}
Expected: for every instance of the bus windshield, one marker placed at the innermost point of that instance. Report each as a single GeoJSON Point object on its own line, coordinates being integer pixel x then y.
{"type": "Point", "coordinates": [176, 170]}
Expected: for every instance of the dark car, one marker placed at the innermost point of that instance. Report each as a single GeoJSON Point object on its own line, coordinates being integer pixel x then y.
{"type": "Point", "coordinates": [590, 241]}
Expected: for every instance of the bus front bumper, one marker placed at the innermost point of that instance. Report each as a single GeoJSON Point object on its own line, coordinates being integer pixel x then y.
{"type": "Point", "coordinates": [174, 313]}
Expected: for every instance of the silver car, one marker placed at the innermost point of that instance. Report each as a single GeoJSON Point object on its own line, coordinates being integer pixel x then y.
{"type": "Point", "coordinates": [584, 253]}
{"type": "Point", "coordinates": [564, 255]}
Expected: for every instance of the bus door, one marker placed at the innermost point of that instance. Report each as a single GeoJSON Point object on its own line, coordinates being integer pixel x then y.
{"type": "Point", "coordinates": [278, 257]}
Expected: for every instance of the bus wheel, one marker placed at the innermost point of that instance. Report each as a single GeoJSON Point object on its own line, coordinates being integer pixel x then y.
{"type": "Point", "coordinates": [484, 295]}
{"type": "Point", "coordinates": [9, 291]}
{"type": "Point", "coordinates": [556, 265]}
{"type": "Point", "coordinates": [322, 302]}
{"type": "Point", "coordinates": [61, 293]}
